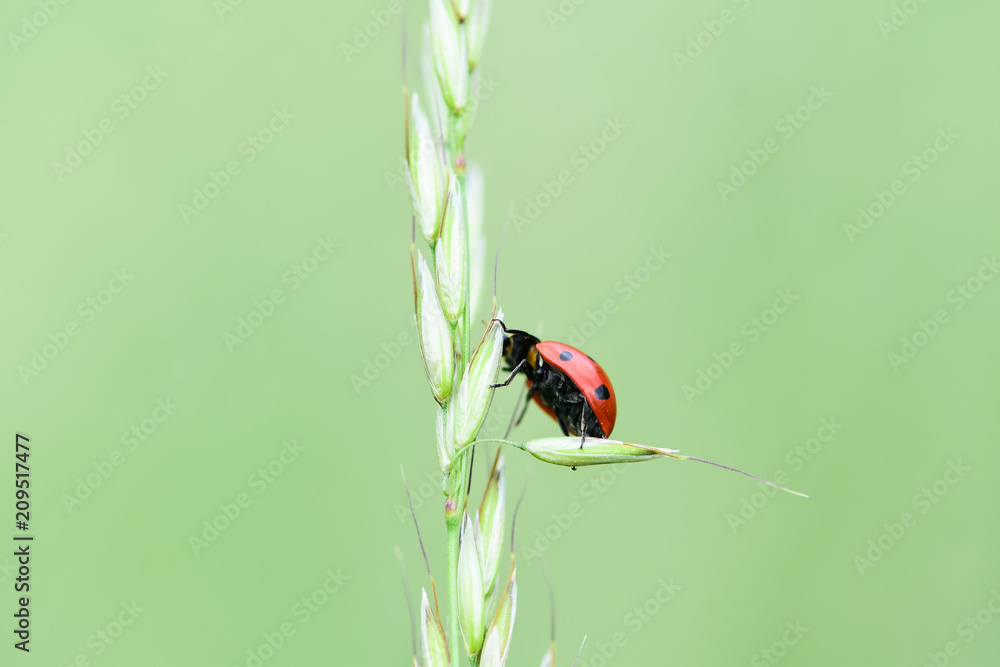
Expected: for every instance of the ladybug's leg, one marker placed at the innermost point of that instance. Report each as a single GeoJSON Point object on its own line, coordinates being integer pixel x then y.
{"type": "Point", "coordinates": [527, 402]}
{"type": "Point", "coordinates": [513, 374]}
{"type": "Point", "coordinates": [583, 433]}
{"type": "Point", "coordinates": [514, 418]}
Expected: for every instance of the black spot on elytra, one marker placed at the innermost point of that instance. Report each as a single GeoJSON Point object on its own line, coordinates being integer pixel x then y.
{"type": "Point", "coordinates": [565, 356]}
{"type": "Point", "coordinates": [602, 393]}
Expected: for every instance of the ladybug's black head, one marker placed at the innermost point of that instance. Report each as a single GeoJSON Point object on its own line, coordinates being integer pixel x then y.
{"type": "Point", "coordinates": [517, 346]}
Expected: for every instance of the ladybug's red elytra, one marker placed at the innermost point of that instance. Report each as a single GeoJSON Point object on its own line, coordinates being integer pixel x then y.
{"type": "Point", "coordinates": [566, 383]}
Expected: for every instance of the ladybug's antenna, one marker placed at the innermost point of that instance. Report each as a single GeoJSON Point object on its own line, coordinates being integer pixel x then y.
{"type": "Point", "coordinates": [719, 465]}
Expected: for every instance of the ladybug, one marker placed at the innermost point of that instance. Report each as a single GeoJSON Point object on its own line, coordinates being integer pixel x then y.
{"type": "Point", "coordinates": [566, 383]}
{"type": "Point", "coordinates": [573, 389]}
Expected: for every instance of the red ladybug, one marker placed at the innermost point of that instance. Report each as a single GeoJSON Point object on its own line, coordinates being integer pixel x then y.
{"type": "Point", "coordinates": [567, 384]}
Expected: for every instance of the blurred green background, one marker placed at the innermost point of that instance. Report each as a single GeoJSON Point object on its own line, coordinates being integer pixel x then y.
{"type": "Point", "coordinates": [163, 412]}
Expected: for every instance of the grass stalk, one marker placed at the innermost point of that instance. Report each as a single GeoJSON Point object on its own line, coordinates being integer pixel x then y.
{"type": "Point", "coordinates": [461, 384]}
{"type": "Point", "coordinates": [454, 525]}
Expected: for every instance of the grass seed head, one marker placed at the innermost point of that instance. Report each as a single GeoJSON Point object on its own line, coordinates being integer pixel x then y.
{"type": "Point", "coordinates": [503, 621]}
{"type": "Point", "coordinates": [433, 332]}
{"type": "Point", "coordinates": [470, 586]}
{"type": "Point", "coordinates": [475, 391]}
{"type": "Point", "coordinates": [428, 173]}
{"type": "Point", "coordinates": [452, 254]}
{"type": "Point", "coordinates": [595, 451]}
{"type": "Point", "coordinates": [451, 60]}
{"type": "Point", "coordinates": [462, 8]}
{"type": "Point", "coordinates": [491, 656]}
{"type": "Point", "coordinates": [437, 110]}
{"type": "Point", "coordinates": [492, 519]}
{"type": "Point", "coordinates": [433, 644]}
{"type": "Point", "coordinates": [445, 430]}
{"type": "Point", "coordinates": [475, 30]}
